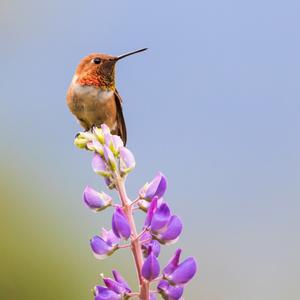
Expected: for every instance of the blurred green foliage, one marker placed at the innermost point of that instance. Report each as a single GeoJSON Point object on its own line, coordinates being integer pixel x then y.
{"type": "Point", "coordinates": [39, 259]}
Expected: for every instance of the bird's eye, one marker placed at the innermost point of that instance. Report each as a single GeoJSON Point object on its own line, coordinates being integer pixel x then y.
{"type": "Point", "coordinates": [97, 60]}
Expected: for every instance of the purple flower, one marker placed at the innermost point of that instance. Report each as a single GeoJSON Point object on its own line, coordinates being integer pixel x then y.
{"type": "Point", "coordinates": [171, 231]}
{"type": "Point", "coordinates": [121, 280]}
{"type": "Point", "coordinates": [157, 187]}
{"type": "Point", "coordinates": [150, 212]}
{"type": "Point", "coordinates": [164, 227]}
{"type": "Point", "coordinates": [184, 272]}
{"type": "Point", "coordinates": [98, 133]}
{"type": "Point", "coordinates": [169, 292]}
{"type": "Point", "coordinates": [99, 166]}
{"type": "Point", "coordinates": [117, 143]}
{"type": "Point", "coordinates": [109, 157]}
{"type": "Point", "coordinates": [115, 288]}
{"type": "Point", "coordinates": [96, 201]}
{"type": "Point", "coordinates": [103, 293]}
{"type": "Point", "coordinates": [127, 161]}
{"type": "Point", "coordinates": [105, 245]}
{"type": "Point", "coordinates": [161, 217]}
{"type": "Point", "coordinates": [113, 161]}
{"type": "Point", "coordinates": [120, 224]}
{"type": "Point", "coordinates": [151, 268]}
{"type": "Point", "coordinates": [173, 263]}
{"type": "Point", "coordinates": [108, 140]}
{"type": "Point", "coordinates": [178, 274]}
{"type": "Point", "coordinates": [98, 147]}
{"type": "Point", "coordinates": [105, 129]}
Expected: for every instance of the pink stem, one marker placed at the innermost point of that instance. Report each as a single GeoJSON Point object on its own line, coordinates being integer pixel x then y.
{"type": "Point", "coordinates": [135, 242]}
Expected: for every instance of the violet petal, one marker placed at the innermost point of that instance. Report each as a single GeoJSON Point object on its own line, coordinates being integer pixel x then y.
{"type": "Point", "coordinates": [172, 232]}
{"type": "Point", "coordinates": [184, 272]}
{"type": "Point", "coordinates": [120, 225]}
{"type": "Point", "coordinates": [150, 212]}
{"type": "Point", "coordinates": [99, 166]}
{"type": "Point", "coordinates": [151, 268]}
{"type": "Point", "coordinates": [94, 200]}
{"type": "Point", "coordinates": [115, 286]}
{"type": "Point", "coordinates": [109, 237]}
{"type": "Point", "coordinates": [127, 161]}
{"type": "Point", "coordinates": [117, 143]}
{"type": "Point", "coordinates": [100, 247]}
{"type": "Point", "coordinates": [109, 157]}
{"type": "Point", "coordinates": [161, 217]}
{"type": "Point", "coordinates": [157, 187]}
{"type": "Point", "coordinates": [103, 293]}
{"type": "Point", "coordinates": [121, 280]}
{"type": "Point", "coordinates": [172, 264]}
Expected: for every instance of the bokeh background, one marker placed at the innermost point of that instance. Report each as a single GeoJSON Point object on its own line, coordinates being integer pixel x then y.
{"type": "Point", "coordinates": [214, 104]}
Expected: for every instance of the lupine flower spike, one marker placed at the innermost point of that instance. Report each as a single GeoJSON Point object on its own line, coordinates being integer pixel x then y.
{"type": "Point", "coordinates": [112, 161]}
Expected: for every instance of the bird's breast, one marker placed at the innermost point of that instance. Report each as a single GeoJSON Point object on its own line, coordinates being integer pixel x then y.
{"type": "Point", "coordinates": [91, 93]}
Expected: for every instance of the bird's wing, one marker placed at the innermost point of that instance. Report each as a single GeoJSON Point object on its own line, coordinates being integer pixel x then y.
{"type": "Point", "coordinates": [120, 118]}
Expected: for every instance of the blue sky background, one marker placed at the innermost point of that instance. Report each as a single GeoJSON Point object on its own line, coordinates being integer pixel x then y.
{"type": "Point", "coordinates": [214, 104]}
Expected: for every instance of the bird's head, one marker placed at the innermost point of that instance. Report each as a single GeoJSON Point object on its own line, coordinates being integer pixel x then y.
{"type": "Point", "coordinates": [98, 69]}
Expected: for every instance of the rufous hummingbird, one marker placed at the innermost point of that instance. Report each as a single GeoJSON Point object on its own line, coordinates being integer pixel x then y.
{"type": "Point", "coordinates": [92, 95]}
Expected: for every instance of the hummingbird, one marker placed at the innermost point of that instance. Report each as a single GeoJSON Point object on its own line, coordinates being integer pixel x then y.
{"type": "Point", "coordinates": [92, 95]}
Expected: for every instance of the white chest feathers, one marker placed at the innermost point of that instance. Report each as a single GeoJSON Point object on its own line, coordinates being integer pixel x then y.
{"type": "Point", "coordinates": [92, 93]}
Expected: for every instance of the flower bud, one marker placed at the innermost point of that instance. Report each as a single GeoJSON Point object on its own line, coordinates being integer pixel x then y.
{"type": "Point", "coordinates": [90, 146]}
{"type": "Point", "coordinates": [117, 143]}
{"type": "Point", "coordinates": [96, 201]}
{"type": "Point", "coordinates": [120, 224]}
{"type": "Point", "coordinates": [109, 157]}
{"type": "Point", "coordinates": [127, 161]}
{"type": "Point", "coordinates": [151, 268]}
{"type": "Point", "coordinates": [105, 129]}
{"type": "Point", "coordinates": [108, 140]}
{"type": "Point", "coordinates": [157, 187]}
{"type": "Point", "coordinates": [99, 165]}
{"type": "Point", "coordinates": [98, 133]}
{"type": "Point", "coordinates": [98, 147]}
{"type": "Point", "coordinates": [82, 139]}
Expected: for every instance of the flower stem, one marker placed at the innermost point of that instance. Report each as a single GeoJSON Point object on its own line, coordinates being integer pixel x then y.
{"type": "Point", "coordinates": [135, 242]}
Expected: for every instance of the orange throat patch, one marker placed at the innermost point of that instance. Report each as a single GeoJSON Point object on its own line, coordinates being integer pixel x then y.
{"type": "Point", "coordinates": [95, 80]}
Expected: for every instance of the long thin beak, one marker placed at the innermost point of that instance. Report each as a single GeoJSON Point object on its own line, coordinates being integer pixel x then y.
{"type": "Point", "coordinates": [130, 53]}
